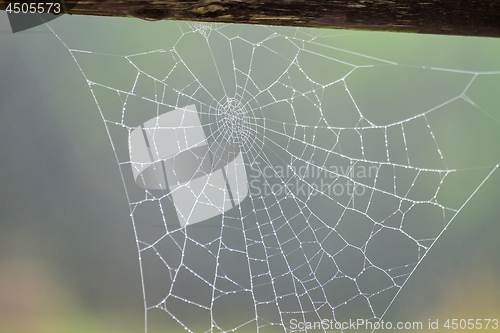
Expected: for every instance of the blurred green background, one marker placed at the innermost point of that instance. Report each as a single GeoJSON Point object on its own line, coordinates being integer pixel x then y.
{"type": "Point", "coordinates": [68, 259]}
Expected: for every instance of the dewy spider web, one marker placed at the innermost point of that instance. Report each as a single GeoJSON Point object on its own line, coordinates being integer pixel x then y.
{"type": "Point", "coordinates": [345, 188]}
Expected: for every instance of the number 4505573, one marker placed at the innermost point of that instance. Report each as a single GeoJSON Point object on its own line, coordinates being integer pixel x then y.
{"type": "Point", "coordinates": [471, 324]}
{"type": "Point", "coordinates": [33, 7]}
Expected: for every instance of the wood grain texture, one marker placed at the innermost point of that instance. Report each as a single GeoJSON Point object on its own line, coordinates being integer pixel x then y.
{"type": "Point", "coordinates": [452, 17]}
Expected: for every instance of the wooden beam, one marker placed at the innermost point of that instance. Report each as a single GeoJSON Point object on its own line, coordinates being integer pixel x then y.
{"type": "Point", "coordinates": [451, 17]}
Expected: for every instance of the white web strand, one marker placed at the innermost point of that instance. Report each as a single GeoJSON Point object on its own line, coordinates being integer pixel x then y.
{"type": "Point", "coordinates": [345, 198]}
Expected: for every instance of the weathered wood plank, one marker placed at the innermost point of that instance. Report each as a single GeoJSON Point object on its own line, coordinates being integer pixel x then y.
{"type": "Point", "coordinates": [453, 17]}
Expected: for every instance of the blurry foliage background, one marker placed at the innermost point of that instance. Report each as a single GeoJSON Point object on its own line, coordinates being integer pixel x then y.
{"type": "Point", "coordinates": [68, 260]}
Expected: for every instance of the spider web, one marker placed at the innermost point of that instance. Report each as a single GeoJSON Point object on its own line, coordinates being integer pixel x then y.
{"type": "Point", "coordinates": [350, 170]}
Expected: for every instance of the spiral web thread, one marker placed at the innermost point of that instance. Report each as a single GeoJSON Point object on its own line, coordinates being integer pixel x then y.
{"type": "Point", "coordinates": [343, 201]}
